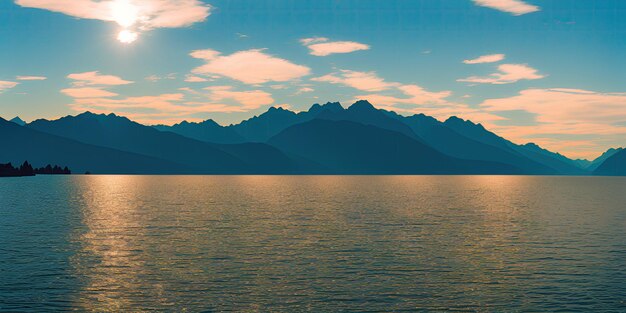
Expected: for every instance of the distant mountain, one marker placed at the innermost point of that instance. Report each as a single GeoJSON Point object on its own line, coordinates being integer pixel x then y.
{"type": "Point", "coordinates": [554, 163]}
{"type": "Point", "coordinates": [449, 141]}
{"type": "Point", "coordinates": [326, 138]}
{"type": "Point", "coordinates": [456, 137]}
{"type": "Point", "coordinates": [207, 131]}
{"type": "Point", "coordinates": [365, 113]}
{"type": "Point", "coordinates": [593, 165]}
{"type": "Point", "coordinates": [554, 160]}
{"type": "Point", "coordinates": [615, 165]}
{"type": "Point", "coordinates": [41, 148]}
{"type": "Point", "coordinates": [17, 120]}
{"type": "Point", "coordinates": [120, 133]}
{"type": "Point", "coordinates": [347, 147]}
{"type": "Point", "coordinates": [261, 128]}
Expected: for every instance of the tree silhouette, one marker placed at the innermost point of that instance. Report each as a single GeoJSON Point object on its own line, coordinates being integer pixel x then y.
{"type": "Point", "coordinates": [26, 169]}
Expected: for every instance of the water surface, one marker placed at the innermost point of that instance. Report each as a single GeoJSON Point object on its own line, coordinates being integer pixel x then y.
{"type": "Point", "coordinates": [326, 243]}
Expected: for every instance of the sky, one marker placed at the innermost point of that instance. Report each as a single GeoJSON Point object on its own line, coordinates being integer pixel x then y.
{"type": "Point", "coordinates": [550, 72]}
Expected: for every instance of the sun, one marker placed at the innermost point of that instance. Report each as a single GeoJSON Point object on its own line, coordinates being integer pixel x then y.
{"type": "Point", "coordinates": [127, 36]}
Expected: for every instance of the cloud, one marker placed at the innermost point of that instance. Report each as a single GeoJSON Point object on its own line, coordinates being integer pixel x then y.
{"type": "Point", "coordinates": [509, 73]}
{"type": "Point", "coordinates": [515, 7]}
{"type": "Point", "coordinates": [159, 109]}
{"type": "Point", "coordinates": [561, 105]}
{"type": "Point", "coordinates": [250, 100]}
{"type": "Point", "coordinates": [564, 112]}
{"type": "Point", "coordinates": [413, 99]}
{"type": "Point", "coordinates": [141, 14]}
{"type": "Point", "coordinates": [195, 79]}
{"type": "Point", "coordinates": [250, 66]}
{"type": "Point", "coordinates": [491, 58]}
{"type": "Point", "coordinates": [156, 78]}
{"type": "Point", "coordinates": [87, 92]}
{"type": "Point", "coordinates": [304, 90]}
{"type": "Point", "coordinates": [94, 78]}
{"type": "Point", "coordinates": [320, 46]}
{"type": "Point", "coordinates": [31, 78]}
{"type": "Point", "coordinates": [134, 16]}
{"type": "Point", "coordinates": [5, 85]}
{"type": "Point", "coordinates": [365, 81]}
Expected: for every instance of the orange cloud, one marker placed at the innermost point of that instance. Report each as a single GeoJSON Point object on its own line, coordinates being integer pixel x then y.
{"type": "Point", "coordinates": [515, 7]}
{"type": "Point", "coordinates": [31, 78]}
{"type": "Point", "coordinates": [509, 73]}
{"type": "Point", "coordinates": [366, 81]}
{"type": "Point", "coordinates": [321, 46]}
{"type": "Point", "coordinates": [491, 58]}
{"type": "Point", "coordinates": [250, 100]}
{"type": "Point", "coordinates": [250, 66]}
{"type": "Point", "coordinates": [4, 85]}
{"type": "Point", "coordinates": [560, 105]}
{"type": "Point", "coordinates": [94, 78]}
{"type": "Point", "coordinates": [141, 14]}
{"type": "Point", "coordinates": [87, 92]}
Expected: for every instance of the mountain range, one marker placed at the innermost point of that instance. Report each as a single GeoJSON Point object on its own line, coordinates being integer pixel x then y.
{"type": "Point", "coordinates": [326, 139]}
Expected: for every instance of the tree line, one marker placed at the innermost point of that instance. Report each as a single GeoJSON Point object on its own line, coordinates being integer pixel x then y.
{"type": "Point", "coordinates": [26, 169]}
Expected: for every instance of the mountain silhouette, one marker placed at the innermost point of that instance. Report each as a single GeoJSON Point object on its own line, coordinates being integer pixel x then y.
{"type": "Point", "coordinates": [17, 120]}
{"type": "Point", "coordinates": [363, 112]}
{"type": "Point", "coordinates": [613, 165]}
{"type": "Point", "coordinates": [449, 141]}
{"type": "Point", "coordinates": [261, 128]}
{"type": "Point", "coordinates": [449, 138]}
{"type": "Point", "coordinates": [207, 131]}
{"type": "Point", "coordinates": [549, 162]}
{"type": "Point", "coordinates": [40, 148]}
{"type": "Point", "coordinates": [326, 139]}
{"type": "Point", "coordinates": [557, 161]}
{"type": "Point", "coordinates": [120, 133]}
{"type": "Point", "coordinates": [593, 165]}
{"type": "Point", "coordinates": [351, 148]}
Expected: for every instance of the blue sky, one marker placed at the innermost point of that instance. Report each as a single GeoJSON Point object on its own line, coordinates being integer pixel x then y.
{"type": "Point", "coordinates": [551, 72]}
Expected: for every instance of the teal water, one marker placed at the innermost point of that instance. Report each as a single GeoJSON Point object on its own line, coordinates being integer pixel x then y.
{"type": "Point", "coordinates": [328, 243]}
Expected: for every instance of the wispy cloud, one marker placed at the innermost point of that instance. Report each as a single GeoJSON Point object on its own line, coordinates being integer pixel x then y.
{"type": "Point", "coordinates": [4, 85]}
{"type": "Point", "coordinates": [195, 79]}
{"type": "Point", "coordinates": [365, 81]}
{"type": "Point", "coordinates": [491, 58]}
{"type": "Point", "coordinates": [320, 46]}
{"type": "Point", "coordinates": [509, 73]}
{"type": "Point", "coordinates": [515, 7]}
{"type": "Point", "coordinates": [563, 111]}
{"type": "Point", "coordinates": [95, 78]}
{"type": "Point", "coordinates": [250, 100]}
{"type": "Point", "coordinates": [250, 66]}
{"type": "Point", "coordinates": [304, 90]}
{"type": "Point", "coordinates": [156, 78]}
{"type": "Point", "coordinates": [561, 105]}
{"type": "Point", "coordinates": [87, 92]}
{"type": "Point", "coordinates": [31, 78]}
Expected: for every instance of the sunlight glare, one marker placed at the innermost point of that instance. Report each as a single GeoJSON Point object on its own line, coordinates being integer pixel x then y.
{"type": "Point", "coordinates": [124, 13]}
{"type": "Point", "coordinates": [127, 36]}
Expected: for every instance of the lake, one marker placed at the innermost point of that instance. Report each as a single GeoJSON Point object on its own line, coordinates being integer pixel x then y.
{"type": "Point", "coordinates": [312, 243]}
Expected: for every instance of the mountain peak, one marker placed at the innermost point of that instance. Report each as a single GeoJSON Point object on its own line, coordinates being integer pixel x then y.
{"type": "Point", "coordinates": [329, 106]}
{"type": "Point", "coordinates": [455, 120]}
{"type": "Point", "coordinates": [17, 120]}
{"type": "Point", "coordinates": [362, 105]}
